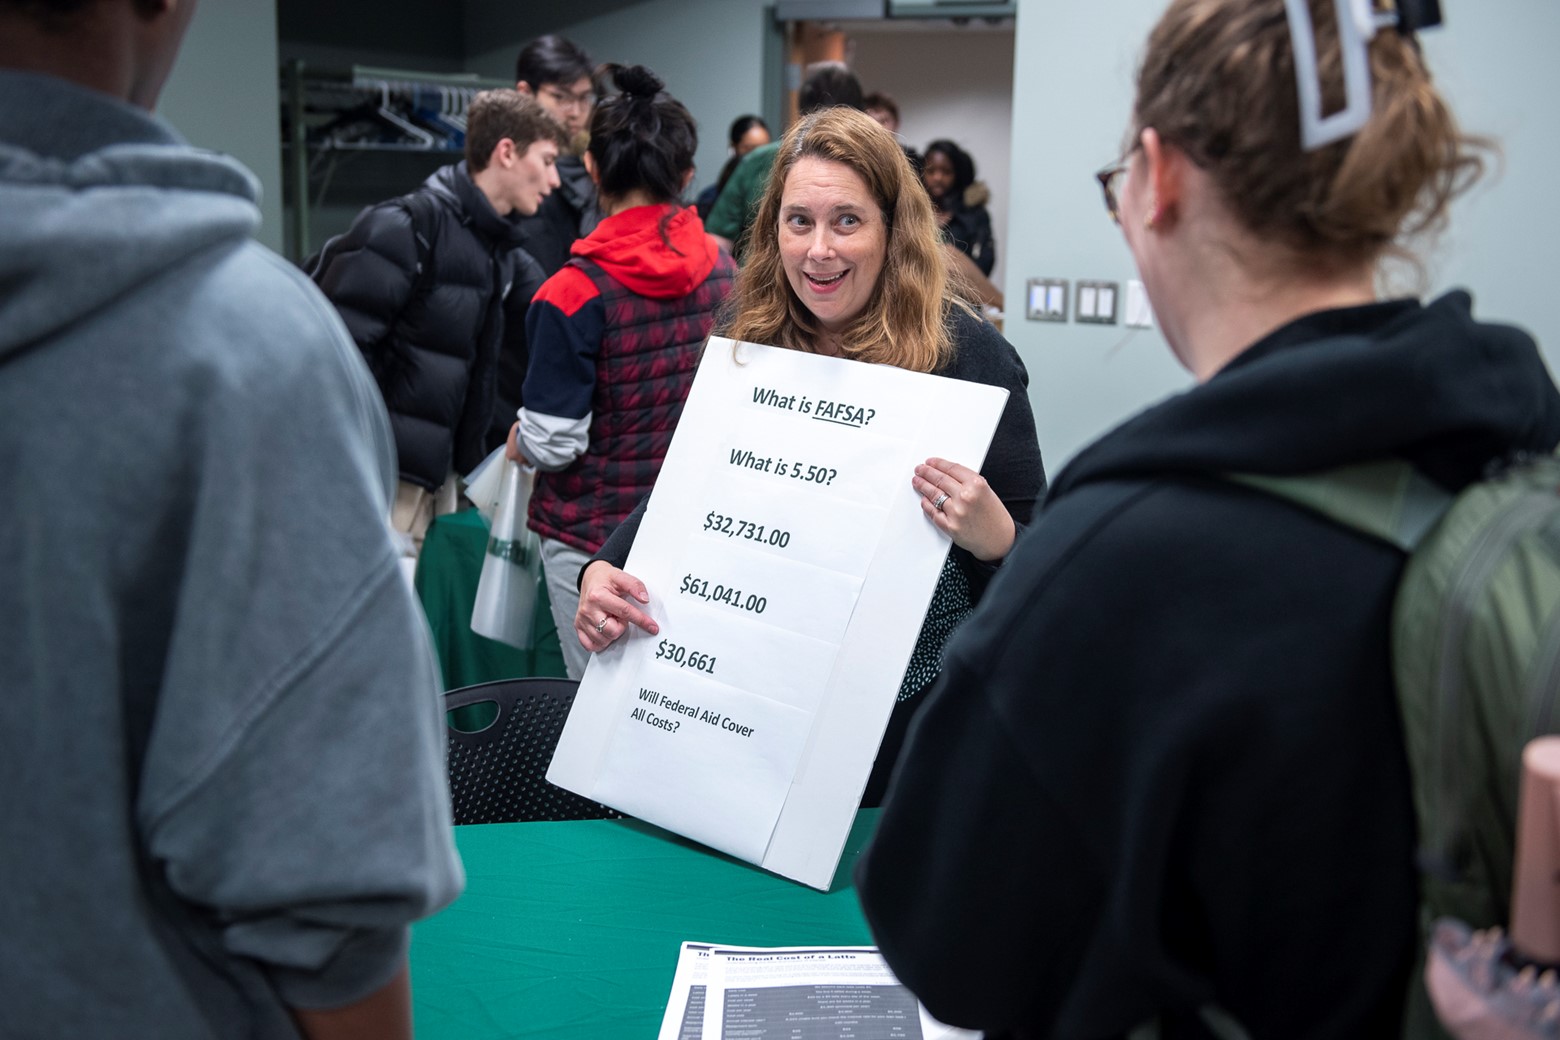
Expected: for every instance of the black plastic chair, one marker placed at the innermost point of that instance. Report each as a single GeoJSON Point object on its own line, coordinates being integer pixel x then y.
{"type": "Point", "coordinates": [501, 741]}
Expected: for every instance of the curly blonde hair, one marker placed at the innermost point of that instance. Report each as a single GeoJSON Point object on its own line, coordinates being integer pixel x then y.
{"type": "Point", "coordinates": [904, 322]}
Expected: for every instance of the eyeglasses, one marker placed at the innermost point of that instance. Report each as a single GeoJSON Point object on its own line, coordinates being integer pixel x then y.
{"type": "Point", "coordinates": [563, 99]}
{"type": "Point", "coordinates": [1107, 178]}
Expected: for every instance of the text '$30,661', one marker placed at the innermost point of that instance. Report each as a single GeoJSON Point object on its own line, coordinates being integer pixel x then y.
{"type": "Point", "coordinates": [685, 658]}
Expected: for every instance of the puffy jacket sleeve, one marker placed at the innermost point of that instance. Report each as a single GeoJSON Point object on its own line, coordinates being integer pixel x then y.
{"type": "Point", "coordinates": [369, 275]}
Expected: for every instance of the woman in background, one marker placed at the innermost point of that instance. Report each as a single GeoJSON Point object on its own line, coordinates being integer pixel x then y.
{"type": "Point", "coordinates": [615, 337]}
{"type": "Point", "coordinates": [1162, 782]}
{"type": "Point", "coordinates": [844, 260]}
{"type": "Point", "coordinates": [949, 175]}
{"type": "Point", "coordinates": [746, 134]}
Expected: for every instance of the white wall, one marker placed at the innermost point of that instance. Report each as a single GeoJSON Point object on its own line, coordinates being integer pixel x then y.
{"type": "Point", "coordinates": [950, 83]}
{"type": "Point", "coordinates": [1495, 62]}
{"type": "Point", "coordinates": [223, 95]}
{"type": "Point", "coordinates": [1072, 98]}
{"type": "Point", "coordinates": [1072, 93]}
{"type": "Point", "coordinates": [709, 53]}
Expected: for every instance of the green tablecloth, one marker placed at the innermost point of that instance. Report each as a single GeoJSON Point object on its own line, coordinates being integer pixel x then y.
{"type": "Point", "coordinates": [447, 573]}
{"type": "Point", "coordinates": [571, 931]}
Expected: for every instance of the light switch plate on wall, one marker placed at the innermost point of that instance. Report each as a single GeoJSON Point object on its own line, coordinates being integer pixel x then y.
{"type": "Point", "coordinates": [1140, 315]}
{"type": "Point", "coordinates": [1046, 299]}
{"type": "Point", "coordinates": [1097, 302]}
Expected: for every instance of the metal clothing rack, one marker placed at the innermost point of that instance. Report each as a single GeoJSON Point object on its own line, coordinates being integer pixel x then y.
{"type": "Point", "coordinates": [333, 115]}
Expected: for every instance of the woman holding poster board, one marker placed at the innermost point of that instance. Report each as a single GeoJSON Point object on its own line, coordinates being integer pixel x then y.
{"type": "Point", "coordinates": [844, 260]}
{"type": "Point", "coordinates": [1163, 780]}
{"type": "Point", "coordinates": [615, 336]}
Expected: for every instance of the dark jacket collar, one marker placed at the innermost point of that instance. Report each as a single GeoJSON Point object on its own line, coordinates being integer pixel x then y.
{"type": "Point", "coordinates": [454, 185]}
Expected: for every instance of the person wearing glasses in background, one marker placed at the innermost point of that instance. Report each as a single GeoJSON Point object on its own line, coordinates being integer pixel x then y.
{"type": "Point", "coordinates": [1162, 781]}
{"type": "Point", "coordinates": [559, 74]}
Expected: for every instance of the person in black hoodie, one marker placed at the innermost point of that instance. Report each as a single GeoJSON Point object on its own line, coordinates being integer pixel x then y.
{"type": "Point", "coordinates": [1162, 780]}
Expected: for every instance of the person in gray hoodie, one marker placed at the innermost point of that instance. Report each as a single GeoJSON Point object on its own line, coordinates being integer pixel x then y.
{"type": "Point", "coordinates": [220, 733]}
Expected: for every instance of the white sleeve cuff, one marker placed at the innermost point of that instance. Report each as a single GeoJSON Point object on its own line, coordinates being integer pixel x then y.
{"type": "Point", "coordinates": [552, 442]}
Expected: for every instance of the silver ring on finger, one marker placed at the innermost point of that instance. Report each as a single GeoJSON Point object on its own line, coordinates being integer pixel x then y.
{"type": "Point", "coordinates": [601, 626]}
{"type": "Point", "coordinates": [937, 503]}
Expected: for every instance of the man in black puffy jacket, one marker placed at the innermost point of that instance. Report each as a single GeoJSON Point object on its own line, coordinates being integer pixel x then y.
{"type": "Point", "coordinates": [433, 287]}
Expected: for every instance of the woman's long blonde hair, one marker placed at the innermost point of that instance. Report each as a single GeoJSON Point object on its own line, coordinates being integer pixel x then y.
{"type": "Point", "coordinates": [904, 322]}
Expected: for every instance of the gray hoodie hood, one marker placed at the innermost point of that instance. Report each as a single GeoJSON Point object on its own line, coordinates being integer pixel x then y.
{"type": "Point", "coordinates": [95, 207]}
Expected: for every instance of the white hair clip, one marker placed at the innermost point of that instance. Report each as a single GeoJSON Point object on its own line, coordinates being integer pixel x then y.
{"type": "Point", "coordinates": [1357, 25]}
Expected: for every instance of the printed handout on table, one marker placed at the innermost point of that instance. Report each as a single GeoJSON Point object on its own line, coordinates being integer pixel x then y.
{"type": "Point", "coordinates": [793, 993]}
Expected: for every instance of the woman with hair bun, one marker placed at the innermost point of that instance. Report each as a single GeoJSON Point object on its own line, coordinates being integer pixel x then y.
{"type": "Point", "coordinates": [1162, 783]}
{"type": "Point", "coordinates": [615, 337]}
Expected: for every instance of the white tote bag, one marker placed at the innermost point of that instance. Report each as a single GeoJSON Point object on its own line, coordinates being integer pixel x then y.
{"type": "Point", "coordinates": [506, 593]}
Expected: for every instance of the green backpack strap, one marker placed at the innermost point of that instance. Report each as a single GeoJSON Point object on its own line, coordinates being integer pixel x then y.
{"type": "Point", "coordinates": [1390, 501]}
{"type": "Point", "coordinates": [1442, 600]}
{"type": "Point", "coordinates": [1387, 499]}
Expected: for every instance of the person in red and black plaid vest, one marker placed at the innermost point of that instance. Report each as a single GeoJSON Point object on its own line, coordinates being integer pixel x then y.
{"type": "Point", "coordinates": [615, 337]}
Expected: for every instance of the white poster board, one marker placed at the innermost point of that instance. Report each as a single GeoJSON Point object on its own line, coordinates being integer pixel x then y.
{"type": "Point", "coordinates": [789, 567]}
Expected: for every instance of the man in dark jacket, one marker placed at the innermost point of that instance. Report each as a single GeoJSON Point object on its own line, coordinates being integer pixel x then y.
{"type": "Point", "coordinates": [559, 75]}
{"type": "Point", "coordinates": [433, 287]}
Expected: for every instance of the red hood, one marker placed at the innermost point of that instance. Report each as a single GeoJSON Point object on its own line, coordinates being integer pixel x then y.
{"type": "Point", "coordinates": [629, 247]}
